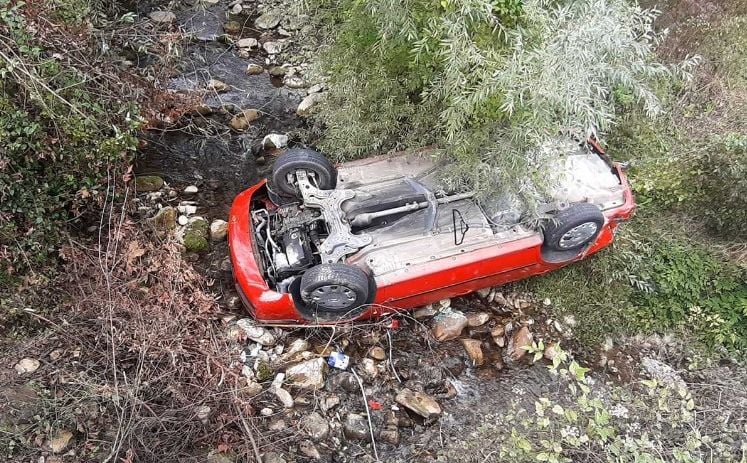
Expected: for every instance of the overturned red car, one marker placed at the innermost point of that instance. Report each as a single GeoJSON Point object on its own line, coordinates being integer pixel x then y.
{"type": "Point", "coordinates": [319, 243]}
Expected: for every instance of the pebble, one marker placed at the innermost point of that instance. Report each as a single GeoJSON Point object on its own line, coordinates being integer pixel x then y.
{"type": "Point", "coordinates": [277, 425]}
{"type": "Point", "coordinates": [250, 43]}
{"type": "Point", "coordinates": [316, 88]}
{"type": "Point", "coordinates": [254, 69]}
{"type": "Point", "coordinates": [218, 86]}
{"type": "Point", "coordinates": [308, 375]}
{"type": "Point", "coordinates": [256, 333]}
{"type": "Point", "coordinates": [218, 230]}
{"type": "Point", "coordinates": [355, 427]}
{"type": "Point", "coordinates": [294, 82]}
{"type": "Point", "coordinates": [277, 71]}
{"type": "Point", "coordinates": [183, 220]}
{"type": "Point", "coordinates": [475, 319]}
{"type": "Point", "coordinates": [311, 100]}
{"type": "Point", "coordinates": [237, 8]}
{"type": "Point", "coordinates": [448, 326]}
{"type": "Point", "coordinates": [390, 435]}
{"type": "Point", "coordinates": [519, 340]}
{"type": "Point", "coordinates": [419, 402]}
{"type": "Point", "coordinates": [472, 346]}
{"type": "Point", "coordinates": [275, 140]}
{"type": "Point", "coordinates": [191, 190]}
{"type": "Point", "coordinates": [315, 426]}
{"type": "Point", "coordinates": [243, 120]}
{"type": "Point", "coordinates": [309, 450]}
{"type": "Point", "coordinates": [162, 17]}
{"type": "Point", "coordinates": [377, 353]}
{"type": "Point", "coordinates": [60, 441]}
{"type": "Point", "coordinates": [27, 365]}
{"type": "Point", "coordinates": [268, 20]}
{"type": "Point", "coordinates": [273, 457]}
{"type": "Point", "coordinates": [266, 411]}
{"type": "Point", "coordinates": [284, 397]}
{"type": "Point", "coordinates": [273, 48]}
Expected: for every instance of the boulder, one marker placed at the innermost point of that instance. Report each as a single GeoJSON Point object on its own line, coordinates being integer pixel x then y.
{"type": "Point", "coordinates": [449, 325]}
{"type": "Point", "coordinates": [419, 402]}
{"type": "Point", "coordinates": [308, 375]}
{"type": "Point", "coordinates": [218, 230]}
{"type": "Point", "coordinates": [472, 346]}
{"type": "Point", "coordinates": [145, 183]}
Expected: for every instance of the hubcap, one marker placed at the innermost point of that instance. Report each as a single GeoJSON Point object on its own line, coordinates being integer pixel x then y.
{"type": "Point", "coordinates": [333, 296]}
{"type": "Point", "coordinates": [578, 235]}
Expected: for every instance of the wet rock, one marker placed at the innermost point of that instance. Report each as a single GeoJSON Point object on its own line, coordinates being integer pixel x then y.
{"type": "Point", "coordinates": [308, 375]}
{"type": "Point", "coordinates": [195, 235]}
{"type": "Point", "coordinates": [248, 43]}
{"type": "Point", "coordinates": [145, 183]}
{"type": "Point", "coordinates": [448, 326]}
{"type": "Point", "coordinates": [218, 230]}
{"type": "Point", "coordinates": [390, 435]}
{"type": "Point", "coordinates": [254, 69]}
{"type": "Point", "coordinates": [309, 450]}
{"type": "Point", "coordinates": [27, 365]}
{"type": "Point", "coordinates": [284, 397]}
{"type": "Point", "coordinates": [275, 141]}
{"type": "Point", "coordinates": [315, 426]}
{"type": "Point", "coordinates": [218, 86]}
{"type": "Point", "coordinates": [477, 319]}
{"type": "Point", "coordinates": [162, 17]}
{"type": "Point", "coordinates": [60, 441]}
{"type": "Point", "coordinates": [377, 353]}
{"type": "Point", "coordinates": [268, 20]}
{"type": "Point", "coordinates": [165, 218]}
{"type": "Point", "coordinates": [294, 82]}
{"type": "Point", "coordinates": [277, 71]}
{"type": "Point", "coordinates": [521, 339]}
{"type": "Point", "coordinates": [273, 457]}
{"type": "Point", "coordinates": [272, 47]}
{"type": "Point", "coordinates": [243, 120]}
{"type": "Point", "coordinates": [420, 403]}
{"type": "Point", "coordinates": [355, 427]}
{"type": "Point", "coordinates": [473, 349]}
{"type": "Point", "coordinates": [256, 333]}
{"type": "Point", "coordinates": [311, 100]}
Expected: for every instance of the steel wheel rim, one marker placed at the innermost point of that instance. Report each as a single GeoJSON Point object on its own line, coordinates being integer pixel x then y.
{"type": "Point", "coordinates": [333, 296]}
{"type": "Point", "coordinates": [578, 235]}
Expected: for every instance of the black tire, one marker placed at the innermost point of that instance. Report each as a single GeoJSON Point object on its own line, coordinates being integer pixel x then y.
{"type": "Point", "coordinates": [574, 227]}
{"type": "Point", "coordinates": [345, 287]}
{"type": "Point", "coordinates": [302, 158]}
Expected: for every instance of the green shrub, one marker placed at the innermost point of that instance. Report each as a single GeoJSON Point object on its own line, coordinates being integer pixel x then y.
{"type": "Point", "coordinates": [58, 133]}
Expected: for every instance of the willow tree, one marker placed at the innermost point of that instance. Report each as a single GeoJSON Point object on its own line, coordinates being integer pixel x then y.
{"type": "Point", "coordinates": [489, 82]}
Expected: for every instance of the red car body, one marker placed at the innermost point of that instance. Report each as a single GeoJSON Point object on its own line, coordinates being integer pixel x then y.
{"type": "Point", "coordinates": [439, 279]}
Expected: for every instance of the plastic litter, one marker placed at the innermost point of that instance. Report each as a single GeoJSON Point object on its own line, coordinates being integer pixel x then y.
{"type": "Point", "coordinates": [338, 360]}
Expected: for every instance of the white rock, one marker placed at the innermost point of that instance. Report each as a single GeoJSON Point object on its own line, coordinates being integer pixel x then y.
{"type": "Point", "coordinates": [316, 88]}
{"type": "Point", "coordinates": [191, 189]}
{"type": "Point", "coordinates": [272, 47]}
{"type": "Point", "coordinates": [294, 82]}
{"type": "Point", "coordinates": [275, 140]}
{"type": "Point", "coordinates": [419, 402]}
{"type": "Point", "coordinates": [249, 43]}
{"type": "Point", "coordinates": [308, 375]}
{"type": "Point", "coordinates": [266, 411]}
{"type": "Point", "coordinates": [484, 292]}
{"type": "Point", "coordinates": [237, 8]}
{"type": "Point", "coordinates": [187, 209]}
{"type": "Point", "coordinates": [27, 365]}
{"type": "Point", "coordinates": [663, 373]}
{"type": "Point", "coordinates": [203, 413]}
{"type": "Point", "coordinates": [182, 220]}
{"type": "Point", "coordinates": [254, 69]}
{"type": "Point", "coordinates": [304, 108]}
{"type": "Point", "coordinates": [60, 441]}
{"type": "Point", "coordinates": [218, 230]}
{"type": "Point", "coordinates": [162, 17]}
{"type": "Point", "coordinates": [284, 397]}
{"type": "Point", "coordinates": [256, 333]}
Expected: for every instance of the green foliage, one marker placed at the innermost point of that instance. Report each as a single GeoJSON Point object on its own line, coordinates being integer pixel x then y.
{"type": "Point", "coordinates": [58, 137]}
{"type": "Point", "coordinates": [488, 81]}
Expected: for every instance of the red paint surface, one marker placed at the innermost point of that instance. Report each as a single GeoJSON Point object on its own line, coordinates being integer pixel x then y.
{"type": "Point", "coordinates": [418, 285]}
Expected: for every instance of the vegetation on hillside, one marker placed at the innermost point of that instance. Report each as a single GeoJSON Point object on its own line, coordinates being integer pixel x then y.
{"type": "Point", "coordinates": [488, 81]}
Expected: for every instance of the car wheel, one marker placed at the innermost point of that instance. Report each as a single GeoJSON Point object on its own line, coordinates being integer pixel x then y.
{"type": "Point", "coordinates": [573, 228]}
{"type": "Point", "coordinates": [335, 288]}
{"type": "Point", "coordinates": [320, 170]}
